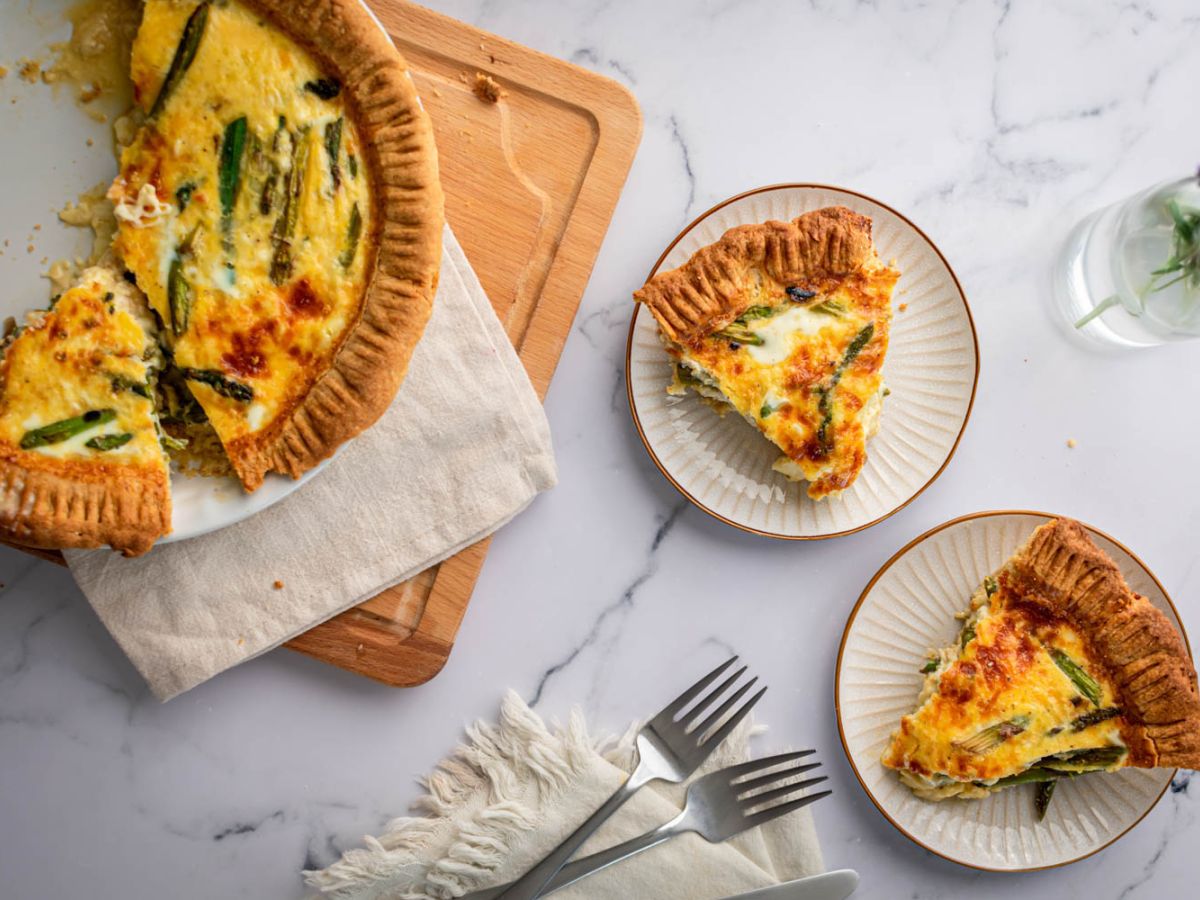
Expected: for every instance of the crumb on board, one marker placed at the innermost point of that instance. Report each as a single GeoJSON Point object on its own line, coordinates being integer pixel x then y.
{"type": "Point", "coordinates": [29, 69]}
{"type": "Point", "coordinates": [903, 307]}
{"type": "Point", "coordinates": [90, 93]}
{"type": "Point", "coordinates": [3, 71]}
{"type": "Point", "coordinates": [278, 585]}
{"type": "Point", "coordinates": [486, 88]}
{"type": "Point", "coordinates": [91, 143]}
{"type": "Point", "coordinates": [30, 248]}
{"type": "Point", "coordinates": [1072, 443]}
{"type": "Point", "coordinates": [241, 641]}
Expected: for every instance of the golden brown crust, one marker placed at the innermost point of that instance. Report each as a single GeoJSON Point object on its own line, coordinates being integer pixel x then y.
{"type": "Point", "coordinates": [710, 289]}
{"type": "Point", "coordinates": [1145, 655]}
{"type": "Point", "coordinates": [55, 504]}
{"type": "Point", "coordinates": [368, 368]}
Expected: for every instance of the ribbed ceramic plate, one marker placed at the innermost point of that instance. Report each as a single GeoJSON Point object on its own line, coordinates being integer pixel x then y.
{"type": "Point", "coordinates": [908, 609]}
{"type": "Point", "coordinates": [723, 465]}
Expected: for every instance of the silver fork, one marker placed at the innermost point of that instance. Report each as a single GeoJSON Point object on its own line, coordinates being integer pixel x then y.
{"type": "Point", "coordinates": [719, 805]}
{"type": "Point", "coordinates": [670, 747]}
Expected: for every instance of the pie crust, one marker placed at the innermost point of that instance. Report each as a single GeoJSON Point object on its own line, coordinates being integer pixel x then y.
{"type": "Point", "coordinates": [368, 368]}
{"type": "Point", "coordinates": [709, 291]}
{"type": "Point", "coordinates": [55, 504]}
{"type": "Point", "coordinates": [1060, 567]}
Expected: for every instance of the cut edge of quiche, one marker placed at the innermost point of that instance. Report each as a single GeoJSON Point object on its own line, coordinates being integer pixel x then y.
{"type": "Point", "coordinates": [787, 323]}
{"type": "Point", "coordinates": [1059, 669]}
{"type": "Point", "coordinates": [81, 464]}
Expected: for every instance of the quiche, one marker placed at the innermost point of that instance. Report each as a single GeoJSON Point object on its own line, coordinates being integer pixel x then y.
{"type": "Point", "coordinates": [787, 324]}
{"type": "Point", "coordinates": [280, 208]}
{"type": "Point", "coordinates": [80, 459]}
{"type": "Point", "coordinates": [1059, 670]}
{"type": "Point", "coordinates": [278, 235]}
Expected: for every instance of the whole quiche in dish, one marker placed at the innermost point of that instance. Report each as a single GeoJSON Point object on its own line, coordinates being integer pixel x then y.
{"type": "Point", "coordinates": [787, 324]}
{"type": "Point", "coordinates": [279, 225]}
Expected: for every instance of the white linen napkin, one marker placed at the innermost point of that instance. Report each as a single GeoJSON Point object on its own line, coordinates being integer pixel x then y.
{"type": "Point", "coordinates": [507, 798]}
{"type": "Point", "coordinates": [464, 447]}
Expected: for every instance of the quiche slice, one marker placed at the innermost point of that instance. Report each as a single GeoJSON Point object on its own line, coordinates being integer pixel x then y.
{"type": "Point", "coordinates": [1060, 669]}
{"type": "Point", "coordinates": [280, 208]}
{"type": "Point", "coordinates": [80, 460]}
{"type": "Point", "coordinates": [787, 323]}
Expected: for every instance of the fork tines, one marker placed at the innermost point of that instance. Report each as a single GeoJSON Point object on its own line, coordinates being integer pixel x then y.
{"type": "Point", "coordinates": [718, 724]}
{"type": "Point", "coordinates": [759, 795]}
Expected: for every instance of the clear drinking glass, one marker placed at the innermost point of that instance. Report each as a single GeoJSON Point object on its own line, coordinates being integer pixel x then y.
{"type": "Point", "coordinates": [1129, 274]}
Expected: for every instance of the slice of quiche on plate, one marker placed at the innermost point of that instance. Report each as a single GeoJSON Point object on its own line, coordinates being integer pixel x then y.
{"type": "Point", "coordinates": [280, 207]}
{"type": "Point", "coordinates": [80, 459]}
{"type": "Point", "coordinates": [787, 324]}
{"type": "Point", "coordinates": [1059, 670]}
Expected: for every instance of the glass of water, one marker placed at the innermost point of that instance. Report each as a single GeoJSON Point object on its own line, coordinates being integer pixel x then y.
{"type": "Point", "coordinates": [1129, 274]}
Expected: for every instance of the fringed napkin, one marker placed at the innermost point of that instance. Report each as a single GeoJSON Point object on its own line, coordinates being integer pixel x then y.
{"type": "Point", "coordinates": [506, 799]}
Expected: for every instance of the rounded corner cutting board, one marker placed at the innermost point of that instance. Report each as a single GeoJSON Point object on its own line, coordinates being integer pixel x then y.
{"type": "Point", "coordinates": [531, 182]}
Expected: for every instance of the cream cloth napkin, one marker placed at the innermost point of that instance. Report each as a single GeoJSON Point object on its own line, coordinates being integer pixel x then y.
{"type": "Point", "coordinates": [464, 447]}
{"type": "Point", "coordinates": [506, 799]}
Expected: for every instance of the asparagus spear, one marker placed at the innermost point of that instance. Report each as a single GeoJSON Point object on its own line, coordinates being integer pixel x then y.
{"type": "Point", "coordinates": [185, 54]}
{"type": "Point", "coordinates": [931, 665]}
{"type": "Point", "coordinates": [109, 441]}
{"type": "Point", "coordinates": [220, 383]}
{"type": "Point", "coordinates": [121, 383]}
{"type": "Point", "coordinates": [739, 334]}
{"type": "Point", "coordinates": [229, 174]}
{"type": "Point", "coordinates": [179, 297]}
{"type": "Point", "coordinates": [285, 225]}
{"type": "Point", "coordinates": [1095, 717]}
{"type": "Point", "coordinates": [353, 235]}
{"type": "Point", "coordinates": [1085, 683]}
{"type": "Point", "coordinates": [56, 432]}
{"type": "Point", "coordinates": [993, 736]}
{"type": "Point", "coordinates": [1042, 797]}
{"type": "Point", "coordinates": [825, 402]}
{"type": "Point", "coordinates": [1087, 759]}
{"type": "Point", "coordinates": [828, 308]}
{"type": "Point", "coordinates": [990, 585]}
{"type": "Point", "coordinates": [333, 146]}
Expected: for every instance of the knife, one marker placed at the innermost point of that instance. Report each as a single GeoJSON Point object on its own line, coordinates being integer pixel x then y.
{"type": "Point", "coordinates": [836, 885]}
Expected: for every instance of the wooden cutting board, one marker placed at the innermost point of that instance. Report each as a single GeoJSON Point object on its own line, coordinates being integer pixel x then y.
{"type": "Point", "coordinates": [531, 182]}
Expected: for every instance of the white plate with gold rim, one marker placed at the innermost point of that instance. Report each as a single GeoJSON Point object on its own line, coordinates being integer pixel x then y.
{"type": "Point", "coordinates": [723, 465]}
{"type": "Point", "coordinates": [909, 608]}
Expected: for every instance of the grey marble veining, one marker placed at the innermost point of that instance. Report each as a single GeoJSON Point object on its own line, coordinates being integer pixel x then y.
{"type": "Point", "coordinates": [995, 126]}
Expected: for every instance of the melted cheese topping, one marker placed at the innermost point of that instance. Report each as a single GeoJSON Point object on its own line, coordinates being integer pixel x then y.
{"type": "Point", "coordinates": [84, 355]}
{"type": "Point", "coordinates": [272, 329]}
{"type": "Point", "coordinates": [797, 356]}
{"type": "Point", "coordinates": [1004, 674]}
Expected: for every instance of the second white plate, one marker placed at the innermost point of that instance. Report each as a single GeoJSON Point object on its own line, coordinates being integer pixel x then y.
{"type": "Point", "coordinates": [723, 465]}
{"type": "Point", "coordinates": [907, 609]}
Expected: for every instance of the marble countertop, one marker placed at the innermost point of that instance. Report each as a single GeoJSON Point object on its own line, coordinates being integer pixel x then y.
{"type": "Point", "coordinates": [994, 126]}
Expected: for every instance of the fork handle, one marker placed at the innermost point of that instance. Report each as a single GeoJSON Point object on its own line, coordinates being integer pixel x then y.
{"type": "Point", "coordinates": [593, 863]}
{"type": "Point", "coordinates": [532, 884]}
